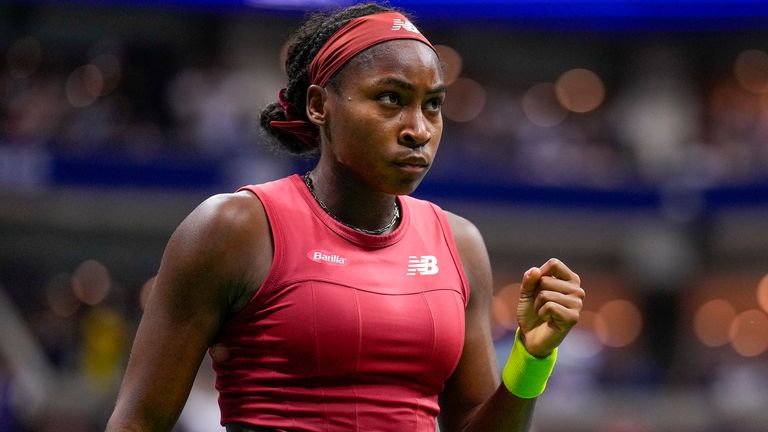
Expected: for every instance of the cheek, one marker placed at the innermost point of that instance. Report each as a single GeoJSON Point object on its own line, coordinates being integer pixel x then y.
{"type": "Point", "coordinates": [439, 126]}
{"type": "Point", "coordinates": [354, 141]}
{"type": "Point", "coordinates": [364, 135]}
{"type": "Point", "coordinates": [437, 133]}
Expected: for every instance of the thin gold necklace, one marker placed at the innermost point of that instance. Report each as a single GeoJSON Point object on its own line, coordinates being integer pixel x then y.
{"type": "Point", "coordinates": [378, 231]}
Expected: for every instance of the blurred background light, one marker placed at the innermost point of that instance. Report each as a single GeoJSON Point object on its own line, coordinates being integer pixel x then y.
{"type": "Point", "coordinates": [712, 322]}
{"type": "Point", "coordinates": [749, 333]}
{"type": "Point", "coordinates": [589, 345]}
{"type": "Point", "coordinates": [110, 70]}
{"type": "Point", "coordinates": [762, 293]}
{"type": "Point", "coordinates": [465, 100]}
{"type": "Point", "coordinates": [541, 106]}
{"type": "Point", "coordinates": [60, 296]}
{"type": "Point", "coordinates": [503, 315]}
{"type": "Point", "coordinates": [580, 90]}
{"type": "Point", "coordinates": [618, 323]}
{"type": "Point", "coordinates": [452, 63]}
{"type": "Point", "coordinates": [84, 86]}
{"type": "Point", "coordinates": [751, 70]}
{"type": "Point", "coordinates": [91, 282]}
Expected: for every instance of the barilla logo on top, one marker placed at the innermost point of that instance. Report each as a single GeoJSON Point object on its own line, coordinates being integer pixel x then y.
{"type": "Point", "coordinates": [325, 257]}
{"type": "Point", "coordinates": [398, 24]}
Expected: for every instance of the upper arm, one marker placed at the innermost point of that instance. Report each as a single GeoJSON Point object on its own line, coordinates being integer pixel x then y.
{"type": "Point", "coordinates": [476, 377]}
{"type": "Point", "coordinates": [215, 258]}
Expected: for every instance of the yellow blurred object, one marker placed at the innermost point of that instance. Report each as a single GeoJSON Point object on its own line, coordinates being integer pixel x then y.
{"type": "Point", "coordinates": [104, 346]}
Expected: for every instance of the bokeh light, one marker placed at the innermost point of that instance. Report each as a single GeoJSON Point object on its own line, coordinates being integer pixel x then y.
{"type": "Point", "coordinates": [84, 86]}
{"type": "Point", "coordinates": [762, 293]}
{"type": "Point", "coordinates": [504, 309]}
{"type": "Point", "coordinates": [541, 107]}
{"type": "Point", "coordinates": [751, 70]}
{"type": "Point", "coordinates": [580, 90]}
{"type": "Point", "coordinates": [465, 101]}
{"type": "Point", "coordinates": [452, 63]}
{"type": "Point", "coordinates": [503, 315]}
{"type": "Point", "coordinates": [91, 282]}
{"type": "Point", "coordinates": [620, 323]}
{"type": "Point", "coordinates": [712, 322]}
{"type": "Point", "coordinates": [111, 72]}
{"type": "Point", "coordinates": [60, 297]}
{"type": "Point", "coordinates": [588, 345]}
{"type": "Point", "coordinates": [749, 333]}
{"type": "Point", "coordinates": [24, 57]}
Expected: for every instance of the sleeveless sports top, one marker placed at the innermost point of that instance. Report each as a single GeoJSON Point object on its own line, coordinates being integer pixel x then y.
{"type": "Point", "coordinates": [349, 331]}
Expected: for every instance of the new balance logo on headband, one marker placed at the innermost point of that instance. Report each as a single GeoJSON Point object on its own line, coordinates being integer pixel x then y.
{"type": "Point", "coordinates": [398, 24]}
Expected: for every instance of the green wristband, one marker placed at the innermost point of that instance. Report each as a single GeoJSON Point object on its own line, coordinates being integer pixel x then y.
{"type": "Point", "coordinates": [524, 375]}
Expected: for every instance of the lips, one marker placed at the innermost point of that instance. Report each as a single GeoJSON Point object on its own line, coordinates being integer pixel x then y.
{"type": "Point", "coordinates": [413, 161]}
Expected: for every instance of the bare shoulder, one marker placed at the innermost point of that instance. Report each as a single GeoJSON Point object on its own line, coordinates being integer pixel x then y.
{"type": "Point", "coordinates": [466, 235]}
{"type": "Point", "coordinates": [223, 225]}
{"type": "Point", "coordinates": [226, 214]}
{"type": "Point", "coordinates": [473, 253]}
{"type": "Point", "coordinates": [225, 242]}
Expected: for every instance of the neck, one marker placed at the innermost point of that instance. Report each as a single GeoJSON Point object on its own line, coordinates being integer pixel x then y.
{"type": "Point", "coordinates": [352, 203]}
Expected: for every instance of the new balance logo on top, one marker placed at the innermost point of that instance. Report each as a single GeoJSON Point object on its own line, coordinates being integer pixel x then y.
{"type": "Point", "coordinates": [398, 24]}
{"type": "Point", "coordinates": [424, 265]}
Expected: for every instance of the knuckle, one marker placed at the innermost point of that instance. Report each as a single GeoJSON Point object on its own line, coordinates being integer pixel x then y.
{"type": "Point", "coordinates": [549, 307]}
{"type": "Point", "coordinates": [554, 261]}
{"type": "Point", "coordinates": [577, 278]}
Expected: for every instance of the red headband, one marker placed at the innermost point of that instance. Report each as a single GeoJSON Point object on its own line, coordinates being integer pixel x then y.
{"type": "Point", "coordinates": [357, 35]}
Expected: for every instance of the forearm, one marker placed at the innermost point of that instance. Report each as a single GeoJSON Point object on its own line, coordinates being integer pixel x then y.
{"type": "Point", "coordinates": [128, 417]}
{"type": "Point", "coordinates": [503, 411]}
{"type": "Point", "coordinates": [510, 407]}
{"type": "Point", "coordinates": [116, 425]}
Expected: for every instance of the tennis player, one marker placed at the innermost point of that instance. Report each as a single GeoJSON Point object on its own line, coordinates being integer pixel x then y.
{"type": "Point", "coordinates": [333, 301]}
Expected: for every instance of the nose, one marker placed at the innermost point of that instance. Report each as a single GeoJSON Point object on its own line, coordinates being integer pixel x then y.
{"type": "Point", "coordinates": [416, 130]}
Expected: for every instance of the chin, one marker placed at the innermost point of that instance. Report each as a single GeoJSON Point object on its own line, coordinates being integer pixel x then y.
{"type": "Point", "coordinates": [408, 186]}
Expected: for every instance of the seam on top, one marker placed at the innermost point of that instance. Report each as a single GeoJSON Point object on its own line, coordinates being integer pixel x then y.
{"type": "Point", "coordinates": [278, 251]}
{"type": "Point", "coordinates": [337, 283]}
{"type": "Point", "coordinates": [359, 354]}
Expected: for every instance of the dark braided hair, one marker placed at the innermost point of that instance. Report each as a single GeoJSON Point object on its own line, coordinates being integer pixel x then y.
{"type": "Point", "coordinates": [306, 42]}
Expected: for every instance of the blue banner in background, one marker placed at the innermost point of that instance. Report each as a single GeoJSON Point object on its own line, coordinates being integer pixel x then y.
{"type": "Point", "coordinates": [599, 15]}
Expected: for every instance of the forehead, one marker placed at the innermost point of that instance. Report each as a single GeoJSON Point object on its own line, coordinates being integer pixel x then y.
{"type": "Point", "coordinates": [410, 59]}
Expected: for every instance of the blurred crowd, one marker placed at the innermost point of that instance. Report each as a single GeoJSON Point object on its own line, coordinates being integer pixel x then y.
{"type": "Point", "coordinates": [147, 84]}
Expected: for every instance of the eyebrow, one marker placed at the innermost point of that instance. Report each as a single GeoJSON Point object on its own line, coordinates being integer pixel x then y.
{"type": "Point", "coordinates": [405, 85]}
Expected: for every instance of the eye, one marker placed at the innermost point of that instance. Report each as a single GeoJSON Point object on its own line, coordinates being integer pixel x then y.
{"type": "Point", "coordinates": [390, 98]}
{"type": "Point", "coordinates": [434, 104]}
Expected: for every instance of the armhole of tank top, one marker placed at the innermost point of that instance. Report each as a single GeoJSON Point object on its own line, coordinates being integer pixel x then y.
{"type": "Point", "coordinates": [448, 237]}
{"type": "Point", "coordinates": [277, 253]}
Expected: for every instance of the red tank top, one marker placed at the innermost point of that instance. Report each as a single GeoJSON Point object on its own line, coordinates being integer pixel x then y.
{"type": "Point", "coordinates": [349, 331]}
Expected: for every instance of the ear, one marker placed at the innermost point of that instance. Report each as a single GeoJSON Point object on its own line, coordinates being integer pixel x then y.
{"type": "Point", "coordinates": [316, 109]}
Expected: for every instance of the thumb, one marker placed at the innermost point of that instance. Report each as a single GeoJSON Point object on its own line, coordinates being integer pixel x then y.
{"type": "Point", "coordinates": [530, 282]}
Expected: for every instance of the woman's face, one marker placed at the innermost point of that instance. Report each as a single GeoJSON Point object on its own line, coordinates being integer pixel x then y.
{"type": "Point", "coordinates": [384, 121]}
